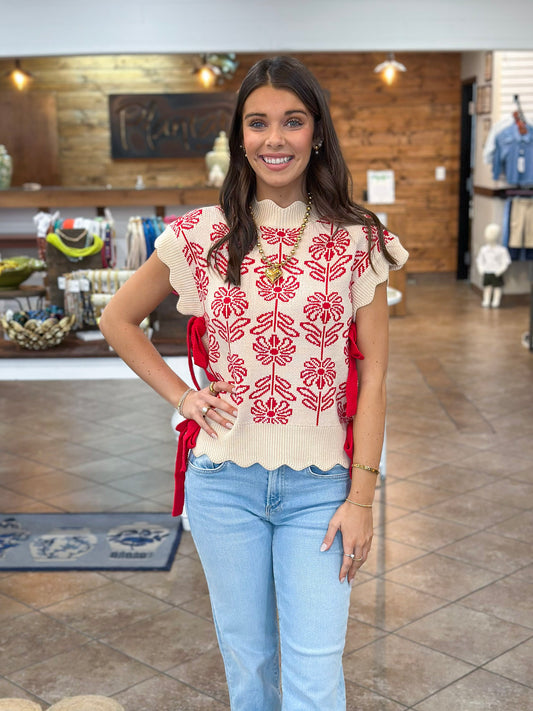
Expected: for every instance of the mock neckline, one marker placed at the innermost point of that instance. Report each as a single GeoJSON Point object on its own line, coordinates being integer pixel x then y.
{"type": "Point", "coordinates": [270, 214]}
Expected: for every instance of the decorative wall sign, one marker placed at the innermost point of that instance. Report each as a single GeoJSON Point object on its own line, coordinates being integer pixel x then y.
{"type": "Point", "coordinates": [167, 125]}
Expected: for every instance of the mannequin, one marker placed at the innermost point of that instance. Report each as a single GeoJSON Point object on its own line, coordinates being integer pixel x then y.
{"type": "Point", "coordinates": [492, 261]}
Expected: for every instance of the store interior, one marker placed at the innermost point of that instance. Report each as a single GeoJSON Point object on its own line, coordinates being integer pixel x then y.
{"type": "Point", "coordinates": [447, 589]}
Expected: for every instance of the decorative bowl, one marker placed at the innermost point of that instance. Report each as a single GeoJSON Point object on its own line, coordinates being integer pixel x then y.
{"type": "Point", "coordinates": [15, 270]}
{"type": "Point", "coordinates": [38, 335]}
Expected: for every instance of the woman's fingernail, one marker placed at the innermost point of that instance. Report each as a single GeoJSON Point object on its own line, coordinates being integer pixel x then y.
{"type": "Point", "coordinates": [343, 579]}
{"type": "Point", "coordinates": [352, 581]}
{"type": "Point", "coordinates": [323, 547]}
{"type": "Point", "coordinates": [229, 425]}
{"type": "Point", "coordinates": [214, 435]}
{"type": "Point", "coordinates": [235, 413]}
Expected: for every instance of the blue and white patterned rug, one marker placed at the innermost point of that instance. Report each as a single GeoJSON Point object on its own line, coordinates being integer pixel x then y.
{"type": "Point", "coordinates": [88, 541]}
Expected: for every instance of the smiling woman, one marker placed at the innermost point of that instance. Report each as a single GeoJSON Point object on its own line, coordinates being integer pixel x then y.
{"type": "Point", "coordinates": [276, 277]}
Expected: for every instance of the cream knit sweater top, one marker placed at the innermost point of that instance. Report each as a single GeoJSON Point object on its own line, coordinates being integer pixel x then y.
{"type": "Point", "coordinates": [284, 345]}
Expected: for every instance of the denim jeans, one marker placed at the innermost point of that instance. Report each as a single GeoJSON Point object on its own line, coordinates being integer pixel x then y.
{"type": "Point", "coordinates": [274, 595]}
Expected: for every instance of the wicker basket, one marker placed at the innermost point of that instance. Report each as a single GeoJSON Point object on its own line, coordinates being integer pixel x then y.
{"type": "Point", "coordinates": [38, 335]}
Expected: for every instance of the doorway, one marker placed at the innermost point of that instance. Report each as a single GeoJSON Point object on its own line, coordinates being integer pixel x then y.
{"type": "Point", "coordinates": [466, 188]}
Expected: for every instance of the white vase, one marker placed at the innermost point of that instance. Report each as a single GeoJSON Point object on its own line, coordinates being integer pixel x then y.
{"type": "Point", "coordinates": [6, 168]}
{"type": "Point", "coordinates": [217, 160]}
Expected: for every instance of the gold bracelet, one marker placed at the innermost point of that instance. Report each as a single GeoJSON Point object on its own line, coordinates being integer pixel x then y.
{"type": "Point", "coordinates": [366, 468]}
{"type": "Point", "coordinates": [182, 400]}
{"type": "Point", "coordinates": [355, 503]}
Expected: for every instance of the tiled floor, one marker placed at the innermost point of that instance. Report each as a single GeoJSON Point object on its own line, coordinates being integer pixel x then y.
{"type": "Point", "coordinates": [442, 614]}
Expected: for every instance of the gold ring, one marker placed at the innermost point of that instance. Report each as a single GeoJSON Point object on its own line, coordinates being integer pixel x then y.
{"type": "Point", "coordinates": [212, 388]}
{"type": "Point", "coordinates": [358, 558]}
{"type": "Point", "coordinates": [205, 409]}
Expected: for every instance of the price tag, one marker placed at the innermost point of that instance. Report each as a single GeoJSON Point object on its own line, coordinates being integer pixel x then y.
{"type": "Point", "coordinates": [61, 282]}
{"type": "Point", "coordinates": [85, 284]}
{"type": "Point", "coordinates": [74, 286]}
{"type": "Point", "coordinates": [521, 164]}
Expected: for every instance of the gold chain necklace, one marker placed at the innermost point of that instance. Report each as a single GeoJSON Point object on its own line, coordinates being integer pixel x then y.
{"type": "Point", "coordinates": [273, 271]}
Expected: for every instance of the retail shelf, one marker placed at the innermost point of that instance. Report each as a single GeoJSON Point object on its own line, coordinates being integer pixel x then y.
{"type": "Point", "coordinates": [101, 197]}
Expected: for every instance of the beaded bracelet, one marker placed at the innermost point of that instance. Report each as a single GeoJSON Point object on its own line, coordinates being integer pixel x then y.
{"type": "Point", "coordinates": [182, 400]}
{"type": "Point", "coordinates": [355, 503]}
{"type": "Point", "coordinates": [366, 468]}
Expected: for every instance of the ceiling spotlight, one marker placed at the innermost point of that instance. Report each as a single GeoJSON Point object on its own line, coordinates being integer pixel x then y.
{"type": "Point", "coordinates": [389, 68]}
{"type": "Point", "coordinates": [19, 76]}
{"type": "Point", "coordinates": [216, 68]}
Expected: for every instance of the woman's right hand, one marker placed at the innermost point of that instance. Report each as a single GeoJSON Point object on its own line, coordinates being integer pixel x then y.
{"type": "Point", "coordinates": [195, 404]}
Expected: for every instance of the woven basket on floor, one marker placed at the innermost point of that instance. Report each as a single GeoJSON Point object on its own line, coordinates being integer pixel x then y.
{"type": "Point", "coordinates": [19, 705]}
{"type": "Point", "coordinates": [87, 703]}
{"type": "Point", "coordinates": [36, 335]}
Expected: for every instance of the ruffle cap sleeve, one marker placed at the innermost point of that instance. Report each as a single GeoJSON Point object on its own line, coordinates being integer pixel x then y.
{"type": "Point", "coordinates": [172, 247]}
{"type": "Point", "coordinates": [366, 275]}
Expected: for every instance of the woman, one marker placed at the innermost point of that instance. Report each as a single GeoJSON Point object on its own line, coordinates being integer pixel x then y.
{"type": "Point", "coordinates": [278, 275]}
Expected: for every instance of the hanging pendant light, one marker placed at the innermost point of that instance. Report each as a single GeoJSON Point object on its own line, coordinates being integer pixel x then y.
{"type": "Point", "coordinates": [389, 68]}
{"type": "Point", "coordinates": [216, 68]}
{"type": "Point", "coordinates": [20, 77]}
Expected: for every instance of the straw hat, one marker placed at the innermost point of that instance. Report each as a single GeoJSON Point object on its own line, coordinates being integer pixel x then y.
{"type": "Point", "coordinates": [18, 705]}
{"type": "Point", "coordinates": [86, 703]}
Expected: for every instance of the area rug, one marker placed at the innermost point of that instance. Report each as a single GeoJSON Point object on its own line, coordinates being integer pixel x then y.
{"type": "Point", "coordinates": [88, 541]}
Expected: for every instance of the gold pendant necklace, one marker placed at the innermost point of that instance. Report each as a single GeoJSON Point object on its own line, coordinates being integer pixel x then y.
{"type": "Point", "coordinates": [273, 270]}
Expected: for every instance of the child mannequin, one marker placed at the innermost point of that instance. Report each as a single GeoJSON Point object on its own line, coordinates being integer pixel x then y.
{"type": "Point", "coordinates": [492, 261]}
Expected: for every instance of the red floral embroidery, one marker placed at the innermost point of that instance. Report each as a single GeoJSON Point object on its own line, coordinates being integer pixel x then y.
{"type": "Point", "coordinates": [341, 403]}
{"type": "Point", "coordinates": [280, 236]}
{"type": "Point", "coordinates": [236, 368]}
{"type": "Point", "coordinates": [274, 350]}
{"type": "Point", "coordinates": [229, 300]}
{"type": "Point", "coordinates": [318, 372]}
{"type": "Point", "coordinates": [186, 222]}
{"type": "Point", "coordinates": [220, 230]}
{"type": "Point", "coordinates": [214, 348]}
{"type": "Point", "coordinates": [202, 283]}
{"type": "Point", "coordinates": [271, 411]}
{"type": "Point", "coordinates": [324, 307]}
{"type": "Point", "coordinates": [328, 246]}
{"type": "Point", "coordinates": [238, 392]}
{"type": "Point", "coordinates": [284, 289]}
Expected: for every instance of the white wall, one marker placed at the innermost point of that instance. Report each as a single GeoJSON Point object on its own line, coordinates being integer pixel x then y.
{"type": "Point", "coordinates": [62, 27]}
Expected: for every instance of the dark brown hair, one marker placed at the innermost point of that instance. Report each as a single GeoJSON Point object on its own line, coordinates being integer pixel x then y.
{"type": "Point", "coordinates": [327, 178]}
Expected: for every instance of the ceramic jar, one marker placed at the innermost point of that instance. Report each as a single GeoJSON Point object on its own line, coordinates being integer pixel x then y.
{"type": "Point", "coordinates": [6, 168]}
{"type": "Point", "coordinates": [217, 160]}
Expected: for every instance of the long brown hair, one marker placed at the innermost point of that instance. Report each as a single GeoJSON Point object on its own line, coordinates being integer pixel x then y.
{"type": "Point", "coordinates": [327, 177]}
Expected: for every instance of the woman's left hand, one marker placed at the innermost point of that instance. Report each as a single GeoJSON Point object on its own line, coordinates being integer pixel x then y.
{"type": "Point", "coordinates": [356, 527]}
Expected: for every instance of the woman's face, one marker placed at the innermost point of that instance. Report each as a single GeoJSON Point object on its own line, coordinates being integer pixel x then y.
{"type": "Point", "coordinates": [278, 138]}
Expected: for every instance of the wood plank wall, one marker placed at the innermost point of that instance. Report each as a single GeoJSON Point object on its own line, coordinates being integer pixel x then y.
{"type": "Point", "coordinates": [411, 127]}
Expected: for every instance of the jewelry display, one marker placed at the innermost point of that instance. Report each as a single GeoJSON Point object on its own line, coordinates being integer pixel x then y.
{"type": "Point", "coordinates": [273, 269]}
{"type": "Point", "coordinates": [67, 238]}
{"type": "Point", "coordinates": [75, 254]}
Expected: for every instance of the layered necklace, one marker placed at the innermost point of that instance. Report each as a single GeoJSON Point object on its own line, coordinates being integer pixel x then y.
{"type": "Point", "coordinates": [273, 269]}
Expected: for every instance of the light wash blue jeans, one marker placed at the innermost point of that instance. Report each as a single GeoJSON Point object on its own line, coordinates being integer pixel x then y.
{"type": "Point", "coordinates": [273, 593]}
